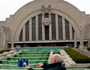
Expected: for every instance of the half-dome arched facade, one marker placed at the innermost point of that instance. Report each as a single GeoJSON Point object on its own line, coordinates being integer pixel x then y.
{"type": "Point", "coordinates": [47, 23]}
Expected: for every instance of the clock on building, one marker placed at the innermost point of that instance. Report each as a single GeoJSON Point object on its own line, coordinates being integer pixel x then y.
{"type": "Point", "coordinates": [46, 21]}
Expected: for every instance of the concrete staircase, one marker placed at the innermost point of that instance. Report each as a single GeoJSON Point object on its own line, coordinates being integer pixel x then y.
{"type": "Point", "coordinates": [34, 57]}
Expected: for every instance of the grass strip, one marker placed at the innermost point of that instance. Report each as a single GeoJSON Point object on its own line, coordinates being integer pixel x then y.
{"type": "Point", "coordinates": [4, 50]}
{"type": "Point", "coordinates": [77, 57]}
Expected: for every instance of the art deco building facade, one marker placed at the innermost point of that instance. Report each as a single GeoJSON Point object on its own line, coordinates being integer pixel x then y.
{"type": "Point", "coordinates": [46, 23]}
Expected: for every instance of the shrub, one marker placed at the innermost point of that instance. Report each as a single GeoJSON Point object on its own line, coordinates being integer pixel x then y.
{"type": "Point", "coordinates": [77, 57]}
{"type": "Point", "coordinates": [88, 48]}
{"type": "Point", "coordinates": [4, 50]}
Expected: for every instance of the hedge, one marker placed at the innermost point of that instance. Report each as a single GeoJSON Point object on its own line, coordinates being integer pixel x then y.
{"type": "Point", "coordinates": [77, 57]}
{"type": "Point", "coordinates": [88, 48]}
{"type": "Point", "coordinates": [4, 50]}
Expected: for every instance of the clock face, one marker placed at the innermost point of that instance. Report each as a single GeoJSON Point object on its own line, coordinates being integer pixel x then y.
{"type": "Point", "coordinates": [46, 21]}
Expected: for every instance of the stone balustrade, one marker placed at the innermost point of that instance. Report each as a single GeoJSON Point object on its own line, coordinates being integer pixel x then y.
{"type": "Point", "coordinates": [50, 55]}
{"type": "Point", "coordinates": [3, 57]}
{"type": "Point", "coordinates": [16, 53]}
{"type": "Point", "coordinates": [5, 53]}
{"type": "Point", "coordinates": [67, 59]}
{"type": "Point", "coordinates": [11, 53]}
{"type": "Point", "coordinates": [20, 52]}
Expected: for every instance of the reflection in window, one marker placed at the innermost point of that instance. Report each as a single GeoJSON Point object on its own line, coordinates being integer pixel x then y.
{"type": "Point", "coordinates": [21, 36]}
{"type": "Point", "coordinates": [60, 28]}
{"type": "Point", "coordinates": [53, 23]}
{"type": "Point", "coordinates": [40, 27]}
{"type": "Point", "coordinates": [67, 30]}
{"type": "Point", "coordinates": [27, 31]}
{"type": "Point", "coordinates": [33, 28]}
{"type": "Point", "coordinates": [46, 15]}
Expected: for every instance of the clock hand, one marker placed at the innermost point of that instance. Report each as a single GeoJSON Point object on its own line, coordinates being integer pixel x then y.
{"type": "Point", "coordinates": [46, 20]}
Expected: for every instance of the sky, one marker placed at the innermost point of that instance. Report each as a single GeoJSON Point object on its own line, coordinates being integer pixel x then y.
{"type": "Point", "coordinates": [9, 7]}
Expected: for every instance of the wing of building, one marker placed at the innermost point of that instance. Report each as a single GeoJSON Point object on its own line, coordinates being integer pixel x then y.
{"type": "Point", "coordinates": [46, 23]}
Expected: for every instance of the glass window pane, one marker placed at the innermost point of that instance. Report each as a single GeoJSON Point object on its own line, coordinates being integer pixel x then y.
{"type": "Point", "coordinates": [73, 33]}
{"type": "Point", "coordinates": [60, 28]}
{"type": "Point", "coordinates": [33, 28]}
{"type": "Point", "coordinates": [21, 36]}
{"type": "Point", "coordinates": [27, 31]}
{"type": "Point", "coordinates": [53, 23]}
{"type": "Point", "coordinates": [46, 32]}
{"type": "Point", "coordinates": [46, 15]}
{"type": "Point", "coordinates": [40, 27]}
{"type": "Point", "coordinates": [67, 30]}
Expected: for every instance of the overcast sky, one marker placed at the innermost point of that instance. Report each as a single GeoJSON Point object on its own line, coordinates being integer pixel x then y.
{"type": "Point", "coordinates": [9, 7]}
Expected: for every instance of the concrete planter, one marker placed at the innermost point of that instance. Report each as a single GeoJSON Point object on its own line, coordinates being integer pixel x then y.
{"type": "Point", "coordinates": [5, 53]}
{"type": "Point", "coordinates": [67, 59]}
{"type": "Point", "coordinates": [16, 53]}
{"type": "Point", "coordinates": [10, 55]}
{"type": "Point", "coordinates": [3, 57]}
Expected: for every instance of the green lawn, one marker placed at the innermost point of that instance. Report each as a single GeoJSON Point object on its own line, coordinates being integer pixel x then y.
{"type": "Point", "coordinates": [77, 57]}
{"type": "Point", "coordinates": [1, 51]}
{"type": "Point", "coordinates": [88, 48]}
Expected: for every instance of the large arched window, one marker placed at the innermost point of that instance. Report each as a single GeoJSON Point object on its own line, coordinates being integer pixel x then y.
{"type": "Point", "coordinates": [46, 15]}
{"type": "Point", "coordinates": [21, 36]}
{"type": "Point", "coordinates": [73, 33]}
{"type": "Point", "coordinates": [33, 28]}
{"type": "Point", "coordinates": [64, 29]}
{"type": "Point", "coordinates": [67, 34]}
{"type": "Point", "coordinates": [60, 28]}
{"type": "Point", "coordinates": [53, 23]}
{"type": "Point", "coordinates": [40, 27]}
{"type": "Point", "coordinates": [27, 31]}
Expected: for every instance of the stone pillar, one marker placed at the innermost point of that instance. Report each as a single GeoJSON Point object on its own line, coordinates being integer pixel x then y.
{"type": "Point", "coordinates": [43, 28]}
{"type": "Point", "coordinates": [36, 28]}
{"type": "Point", "coordinates": [88, 42]}
{"type": "Point", "coordinates": [12, 42]}
{"type": "Point", "coordinates": [56, 27]}
{"type": "Point", "coordinates": [50, 29]}
{"type": "Point", "coordinates": [88, 34]}
{"type": "Point", "coordinates": [24, 33]}
{"type": "Point", "coordinates": [75, 43]}
{"type": "Point", "coordinates": [81, 39]}
{"type": "Point", "coordinates": [63, 25]}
